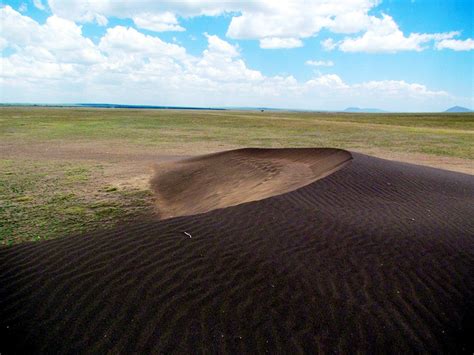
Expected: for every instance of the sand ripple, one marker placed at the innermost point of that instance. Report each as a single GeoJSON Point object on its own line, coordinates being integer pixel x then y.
{"type": "Point", "coordinates": [377, 257]}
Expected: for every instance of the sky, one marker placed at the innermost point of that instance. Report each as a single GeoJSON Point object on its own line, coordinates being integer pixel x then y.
{"type": "Point", "coordinates": [395, 55]}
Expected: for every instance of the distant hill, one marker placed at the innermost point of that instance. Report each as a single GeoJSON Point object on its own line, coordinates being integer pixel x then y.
{"type": "Point", "coordinates": [364, 110]}
{"type": "Point", "coordinates": [458, 109]}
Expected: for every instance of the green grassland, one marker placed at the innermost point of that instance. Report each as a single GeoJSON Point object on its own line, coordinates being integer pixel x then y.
{"type": "Point", "coordinates": [44, 198]}
{"type": "Point", "coordinates": [439, 134]}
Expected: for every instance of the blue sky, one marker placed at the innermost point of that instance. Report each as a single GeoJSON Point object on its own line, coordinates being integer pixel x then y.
{"type": "Point", "coordinates": [403, 55]}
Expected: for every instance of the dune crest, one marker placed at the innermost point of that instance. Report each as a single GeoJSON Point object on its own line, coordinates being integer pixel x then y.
{"type": "Point", "coordinates": [204, 183]}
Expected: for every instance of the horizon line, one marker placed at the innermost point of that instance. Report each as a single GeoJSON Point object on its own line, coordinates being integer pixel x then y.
{"type": "Point", "coordinates": [217, 108]}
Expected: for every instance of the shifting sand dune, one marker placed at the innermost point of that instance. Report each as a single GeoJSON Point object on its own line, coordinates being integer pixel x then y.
{"type": "Point", "coordinates": [219, 180]}
{"type": "Point", "coordinates": [377, 257]}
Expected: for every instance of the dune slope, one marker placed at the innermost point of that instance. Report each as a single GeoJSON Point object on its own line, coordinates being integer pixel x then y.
{"type": "Point", "coordinates": [201, 184]}
{"type": "Point", "coordinates": [376, 257]}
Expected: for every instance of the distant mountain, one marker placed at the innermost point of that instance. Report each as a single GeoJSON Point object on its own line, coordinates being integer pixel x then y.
{"type": "Point", "coordinates": [364, 110]}
{"type": "Point", "coordinates": [458, 109]}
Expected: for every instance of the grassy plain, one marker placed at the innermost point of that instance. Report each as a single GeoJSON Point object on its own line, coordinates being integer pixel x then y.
{"type": "Point", "coordinates": [69, 170]}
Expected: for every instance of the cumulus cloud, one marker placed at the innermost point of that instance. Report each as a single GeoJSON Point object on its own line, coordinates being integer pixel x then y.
{"type": "Point", "coordinates": [384, 35]}
{"type": "Point", "coordinates": [149, 14]}
{"type": "Point", "coordinates": [329, 44]}
{"type": "Point", "coordinates": [456, 44]}
{"type": "Point", "coordinates": [399, 88]}
{"type": "Point", "coordinates": [275, 24]}
{"type": "Point", "coordinates": [320, 63]}
{"type": "Point", "coordinates": [160, 22]}
{"type": "Point", "coordinates": [126, 43]}
{"type": "Point", "coordinates": [327, 81]}
{"type": "Point", "coordinates": [276, 42]}
{"type": "Point", "coordinates": [55, 62]}
{"type": "Point", "coordinates": [217, 45]}
{"type": "Point", "coordinates": [57, 38]}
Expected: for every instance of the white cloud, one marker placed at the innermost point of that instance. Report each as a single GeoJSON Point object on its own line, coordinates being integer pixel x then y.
{"type": "Point", "coordinates": [320, 63]}
{"type": "Point", "coordinates": [351, 21]}
{"type": "Point", "coordinates": [384, 35]}
{"type": "Point", "coordinates": [456, 44]}
{"type": "Point", "coordinates": [128, 44]}
{"type": "Point", "coordinates": [89, 11]}
{"type": "Point", "coordinates": [275, 42]}
{"type": "Point", "coordinates": [283, 24]}
{"type": "Point", "coordinates": [215, 44]}
{"type": "Point", "coordinates": [328, 81]}
{"type": "Point", "coordinates": [54, 62]}
{"type": "Point", "coordinates": [220, 63]}
{"type": "Point", "coordinates": [25, 69]}
{"type": "Point", "coordinates": [81, 10]}
{"type": "Point", "coordinates": [161, 22]}
{"type": "Point", "coordinates": [276, 24]}
{"type": "Point", "coordinates": [39, 5]}
{"type": "Point", "coordinates": [328, 44]}
{"type": "Point", "coordinates": [57, 38]}
{"type": "Point", "coordinates": [398, 88]}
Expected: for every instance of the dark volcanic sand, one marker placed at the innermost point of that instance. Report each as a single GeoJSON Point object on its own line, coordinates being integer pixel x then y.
{"type": "Point", "coordinates": [377, 257]}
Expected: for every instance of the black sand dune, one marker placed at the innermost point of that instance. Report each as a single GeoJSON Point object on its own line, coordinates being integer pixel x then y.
{"type": "Point", "coordinates": [377, 257]}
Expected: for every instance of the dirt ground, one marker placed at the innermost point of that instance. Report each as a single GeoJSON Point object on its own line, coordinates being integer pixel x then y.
{"type": "Point", "coordinates": [134, 163]}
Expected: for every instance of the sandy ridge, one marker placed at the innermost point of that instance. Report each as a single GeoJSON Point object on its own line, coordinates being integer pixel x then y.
{"type": "Point", "coordinates": [376, 257]}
